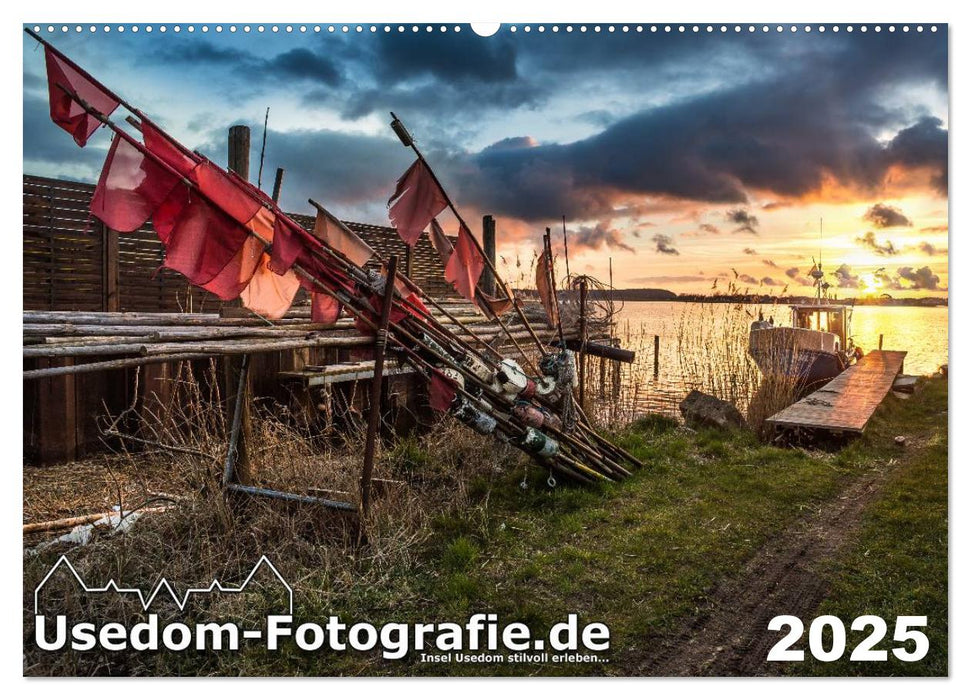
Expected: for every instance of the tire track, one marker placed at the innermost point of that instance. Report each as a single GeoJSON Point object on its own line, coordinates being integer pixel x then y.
{"type": "Point", "coordinates": [730, 636]}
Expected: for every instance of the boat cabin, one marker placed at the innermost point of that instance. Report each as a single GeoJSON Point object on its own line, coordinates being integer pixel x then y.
{"type": "Point", "coordinates": [830, 318]}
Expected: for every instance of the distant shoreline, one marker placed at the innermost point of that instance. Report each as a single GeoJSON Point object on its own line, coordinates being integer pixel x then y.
{"type": "Point", "coordinates": [667, 295]}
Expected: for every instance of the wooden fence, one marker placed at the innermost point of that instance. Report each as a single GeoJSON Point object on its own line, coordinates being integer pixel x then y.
{"type": "Point", "coordinates": [72, 262]}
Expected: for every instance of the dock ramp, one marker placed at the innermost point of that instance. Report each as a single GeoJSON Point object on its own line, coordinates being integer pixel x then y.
{"type": "Point", "coordinates": [845, 404]}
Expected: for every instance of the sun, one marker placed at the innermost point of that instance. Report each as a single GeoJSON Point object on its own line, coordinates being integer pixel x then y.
{"type": "Point", "coordinates": [870, 283]}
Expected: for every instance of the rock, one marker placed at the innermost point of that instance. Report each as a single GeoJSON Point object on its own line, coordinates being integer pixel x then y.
{"type": "Point", "coordinates": [900, 440]}
{"type": "Point", "coordinates": [705, 410]}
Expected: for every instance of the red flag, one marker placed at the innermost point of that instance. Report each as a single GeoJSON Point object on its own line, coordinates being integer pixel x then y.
{"type": "Point", "coordinates": [417, 199]}
{"type": "Point", "coordinates": [169, 151]}
{"type": "Point", "coordinates": [200, 241]}
{"type": "Point", "coordinates": [289, 241]}
{"type": "Point", "coordinates": [342, 239]}
{"type": "Point", "coordinates": [544, 272]}
{"type": "Point", "coordinates": [64, 78]}
{"type": "Point", "coordinates": [324, 308]}
{"type": "Point", "coordinates": [465, 265]}
{"type": "Point", "coordinates": [131, 187]}
{"type": "Point", "coordinates": [440, 242]}
{"type": "Point", "coordinates": [441, 391]}
{"type": "Point", "coordinates": [238, 272]}
{"type": "Point", "coordinates": [225, 193]}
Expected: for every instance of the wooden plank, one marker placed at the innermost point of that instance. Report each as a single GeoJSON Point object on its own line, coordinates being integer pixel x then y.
{"type": "Point", "coordinates": [847, 402]}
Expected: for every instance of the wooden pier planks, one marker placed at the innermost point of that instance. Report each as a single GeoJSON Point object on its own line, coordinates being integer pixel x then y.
{"type": "Point", "coordinates": [846, 403]}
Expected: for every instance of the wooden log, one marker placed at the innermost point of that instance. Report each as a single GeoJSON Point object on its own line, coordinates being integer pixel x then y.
{"type": "Point", "coordinates": [215, 347]}
{"type": "Point", "coordinates": [68, 523]}
{"type": "Point", "coordinates": [173, 332]}
{"type": "Point", "coordinates": [142, 318]}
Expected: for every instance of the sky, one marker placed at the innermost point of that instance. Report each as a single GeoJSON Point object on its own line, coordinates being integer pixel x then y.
{"type": "Point", "coordinates": [684, 161]}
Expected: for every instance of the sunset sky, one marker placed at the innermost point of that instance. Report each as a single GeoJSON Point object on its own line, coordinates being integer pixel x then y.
{"type": "Point", "coordinates": [684, 157]}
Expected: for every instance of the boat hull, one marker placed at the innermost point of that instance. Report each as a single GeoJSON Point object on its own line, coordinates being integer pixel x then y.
{"type": "Point", "coordinates": [779, 354]}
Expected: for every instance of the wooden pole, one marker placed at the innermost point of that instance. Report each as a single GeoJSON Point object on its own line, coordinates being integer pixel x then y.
{"type": "Point", "coordinates": [237, 368]}
{"type": "Point", "coordinates": [566, 253]}
{"type": "Point", "coordinates": [239, 146]}
{"type": "Point", "coordinates": [657, 350]}
{"type": "Point", "coordinates": [489, 246]}
{"type": "Point", "coordinates": [109, 270]}
{"type": "Point", "coordinates": [582, 357]}
{"type": "Point", "coordinates": [278, 184]}
{"type": "Point", "coordinates": [374, 417]}
{"type": "Point", "coordinates": [880, 346]}
{"type": "Point", "coordinates": [409, 260]}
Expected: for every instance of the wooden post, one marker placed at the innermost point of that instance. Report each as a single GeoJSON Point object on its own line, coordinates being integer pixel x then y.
{"type": "Point", "coordinates": [582, 357]}
{"type": "Point", "coordinates": [237, 366]}
{"type": "Point", "coordinates": [374, 410]}
{"type": "Point", "coordinates": [109, 270]}
{"type": "Point", "coordinates": [238, 160]}
{"type": "Point", "coordinates": [409, 260]}
{"type": "Point", "coordinates": [56, 427]}
{"type": "Point", "coordinates": [880, 346]}
{"type": "Point", "coordinates": [278, 184]}
{"type": "Point", "coordinates": [657, 352]}
{"type": "Point", "coordinates": [489, 247]}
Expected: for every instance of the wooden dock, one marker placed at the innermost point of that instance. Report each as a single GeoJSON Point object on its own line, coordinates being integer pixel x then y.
{"type": "Point", "coordinates": [845, 404]}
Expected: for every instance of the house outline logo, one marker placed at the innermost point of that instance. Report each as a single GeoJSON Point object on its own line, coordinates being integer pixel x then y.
{"type": "Point", "coordinates": [147, 600]}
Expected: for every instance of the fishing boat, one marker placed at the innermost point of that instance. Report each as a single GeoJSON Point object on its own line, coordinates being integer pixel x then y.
{"type": "Point", "coordinates": [813, 349]}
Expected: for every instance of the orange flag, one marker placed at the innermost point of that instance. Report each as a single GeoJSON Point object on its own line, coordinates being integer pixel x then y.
{"type": "Point", "coordinates": [339, 237]}
{"type": "Point", "coordinates": [544, 273]}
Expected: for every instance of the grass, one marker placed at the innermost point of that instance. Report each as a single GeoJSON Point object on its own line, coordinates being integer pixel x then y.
{"type": "Point", "coordinates": [463, 537]}
{"type": "Point", "coordinates": [899, 564]}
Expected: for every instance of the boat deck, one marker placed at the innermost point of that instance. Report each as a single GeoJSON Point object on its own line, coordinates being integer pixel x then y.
{"type": "Point", "coordinates": [847, 402]}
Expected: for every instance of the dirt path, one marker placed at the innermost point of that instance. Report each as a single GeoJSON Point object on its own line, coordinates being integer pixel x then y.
{"type": "Point", "coordinates": [730, 637]}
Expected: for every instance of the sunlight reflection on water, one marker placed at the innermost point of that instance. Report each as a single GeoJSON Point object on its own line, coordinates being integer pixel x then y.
{"type": "Point", "coordinates": [921, 331]}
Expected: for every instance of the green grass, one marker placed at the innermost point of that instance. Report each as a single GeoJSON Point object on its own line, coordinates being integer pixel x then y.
{"type": "Point", "coordinates": [898, 566]}
{"type": "Point", "coordinates": [641, 555]}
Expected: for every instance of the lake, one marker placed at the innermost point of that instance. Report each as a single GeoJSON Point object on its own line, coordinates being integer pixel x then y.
{"type": "Point", "coordinates": [700, 343]}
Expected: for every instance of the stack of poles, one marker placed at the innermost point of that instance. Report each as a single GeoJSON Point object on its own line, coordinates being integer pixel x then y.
{"type": "Point", "coordinates": [578, 457]}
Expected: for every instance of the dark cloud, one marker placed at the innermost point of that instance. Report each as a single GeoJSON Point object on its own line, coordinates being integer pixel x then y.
{"type": "Point", "coordinates": [599, 236]}
{"type": "Point", "coordinates": [709, 228]}
{"type": "Point", "coordinates": [306, 64]}
{"type": "Point", "coordinates": [922, 145]}
{"type": "Point", "coordinates": [795, 275]}
{"type": "Point", "coordinates": [750, 251]}
{"type": "Point", "coordinates": [748, 279]}
{"type": "Point", "coordinates": [934, 229]}
{"type": "Point", "coordinates": [869, 241]}
{"type": "Point", "coordinates": [448, 57]}
{"type": "Point", "coordinates": [771, 282]}
{"type": "Point", "coordinates": [769, 263]}
{"type": "Point", "coordinates": [930, 249]}
{"type": "Point", "coordinates": [745, 222]}
{"type": "Point", "coordinates": [319, 69]}
{"type": "Point", "coordinates": [664, 244]}
{"type": "Point", "coordinates": [886, 216]}
{"type": "Point", "coordinates": [810, 123]}
{"type": "Point", "coordinates": [921, 278]}
{"type": "Point", "coordinates": [845, 277]}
